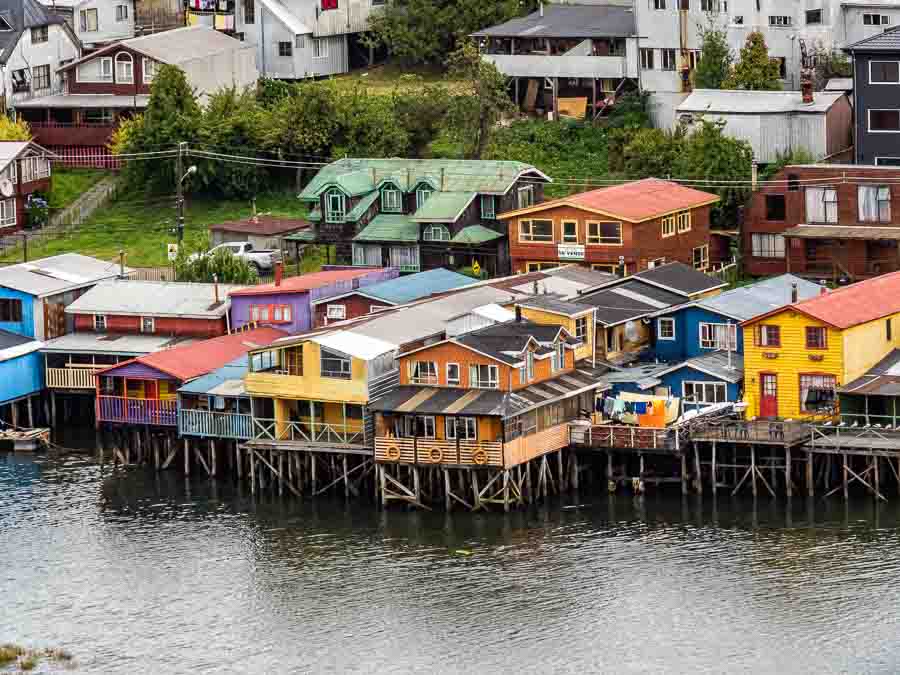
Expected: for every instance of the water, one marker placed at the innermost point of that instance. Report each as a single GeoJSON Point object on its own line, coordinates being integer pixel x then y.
{"type": "Point", "coordinates": [139, 573]}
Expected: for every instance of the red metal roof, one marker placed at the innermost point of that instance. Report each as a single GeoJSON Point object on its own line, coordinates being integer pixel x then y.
{"type": "Point", "coordinates": [262, 225]}
{"type": "Point", "coordinates": [306, 282]}
{"type": "Point", "coordinates": [199, 358]}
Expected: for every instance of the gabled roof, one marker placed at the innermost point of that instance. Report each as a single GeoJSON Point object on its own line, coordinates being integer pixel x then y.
{"type": "Point", "coordinates": [57, 274]}
{"type": "Point", "coordinates": [154, 299]}
{"type": "Point", "coordinates": [555, 305]}
{"type": "Point", "coordinates": [10, 150]}
{"type": "Point", "coordinates": [22, 15]}
{"type": "Point", "coordinates": [568, 21]}
{"type": "Point", "coordinates": [886, 41]}
{"type": "Point", "coordinates": [408, 288]}
{"type": "Point", "coordinates": [476, 234]}
{"type": "Point", "coordinates": [746, 102]}
{"type": "Point", "coordinates": [286, 17]}
{"type": "Point", "coordinates": [628, 301]}
{"type": "Point", "coordinates": [851, 305]}
{"type": "Point", "coordinates": [305, 282]}
{"type": "Point", "coordinates": [882, 379]}
{"type": "Point", "coordinates": [225, 381]}
{"type": "Point", "coordinates": [675, 277]}
{"type": "Point", "coordinates": [505, 342]}
{"type": "Point", "coordinates": [444, 207]}
{"type": "Point", "coordinates": [715, 364]}
{"type": "Point", "coordinates": [262, 225]}
{"type": "Point", "coordinates": [634, 202]}
{"type": "Point", "coordinates": [361, 176]}
{"type": "Point", "coordinates": [390, 227]}
{"type": "Point", "coordinates": [191, 361]}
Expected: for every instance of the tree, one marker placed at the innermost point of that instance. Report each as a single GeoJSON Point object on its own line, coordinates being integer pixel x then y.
{"type": "Point", "coordinates": [482, 101]}
{"type": "Point", "coordinates": [652, 153]}
{"type": "Point", "coordinates": [756, 69]}
{"type": "Point", "coordinates": [829, 64]}
{"type": "Point", "coordinates": [225, 267]}
{"type": "Point", "coordinates": [716, 58]}
{"type": "Point", "coordinates": [17, 130]}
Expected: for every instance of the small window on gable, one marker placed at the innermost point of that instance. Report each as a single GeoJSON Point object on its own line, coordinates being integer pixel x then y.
{"type": "Point", "coordinates": [4, 24]}
{"type": "Point", "coordinates": [391, 199]}
{"type": "Point", "coordinates": [487, 207]}
{"type": "Point", "coordinates": [435, 233]}
{"type": "Point", "coordinates": [423, 192]}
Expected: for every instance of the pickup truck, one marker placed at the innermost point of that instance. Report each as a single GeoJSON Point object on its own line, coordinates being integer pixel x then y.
{"type": "Point", "coordinates": [262, 259]}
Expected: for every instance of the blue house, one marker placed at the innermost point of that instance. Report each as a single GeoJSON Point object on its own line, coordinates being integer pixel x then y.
{"type": "Point", "coordinates": [217, 405]}
{"type": "Point", "coordinates": [702, 341]}
{"type": "Point", "coordinates": [21, 367]}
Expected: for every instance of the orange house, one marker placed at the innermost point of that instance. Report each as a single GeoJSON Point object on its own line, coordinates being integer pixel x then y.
{"type": "Point", "coordinates": [496, 397]}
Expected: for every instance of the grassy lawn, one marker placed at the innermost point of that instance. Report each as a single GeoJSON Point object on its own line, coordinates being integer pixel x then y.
{"type": "Point", "coordinates": [382, 79]}
{"type": "Point", "coordinates": [141, 227]}
{"type": "Point", "coordinates": [69, 184]}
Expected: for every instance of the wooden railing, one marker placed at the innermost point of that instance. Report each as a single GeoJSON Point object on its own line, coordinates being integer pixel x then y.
{"type": "Point", "coordinates": [215, 424]}
{"type": "Point", "coordinates": [433, 451]}
{"type": "Point", "coordinates": [137, 410]}
{"type": "Point", "coordinates": [310, 432]}
{"type": "Point", "coordinates": [751, 431]}
{"type": "Point", "coordinates": [618, 436]}
{"type": "Point", "coordinates": [73, 377]}
{"type": "Point", "coordinates": [69, 133]}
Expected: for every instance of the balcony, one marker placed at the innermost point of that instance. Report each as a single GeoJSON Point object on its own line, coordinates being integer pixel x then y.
{"type": "Point", "coordinates": [73, 377]}
{"type": "Point", "coordinates": [624, 437]}
{"type": "Point", "coordinates": [215, 424]}
{"type": "Point", "coordinates": [318, 433]}
{"type": "Point", "coordinates": [137, 410]}
{"type": "Point", "coordinates": [63, 133]}
{"type": "Point", "coordinates": [435, 451]}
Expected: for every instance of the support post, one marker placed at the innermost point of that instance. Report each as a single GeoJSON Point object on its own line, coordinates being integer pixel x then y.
{"type": "Point", "coordinates": [845, 475]}
{"type": "Point", "coordinates": [447, 501]}
{"type": "Point", "coordinates": [753, 469]}
{"type": "Point", "coordinates": [684, 479]}
{"type": "Point", "coordinates": [715, 481]}
{"type": "Point", "coordinates": [810, 484]}
{"type": "Point", "coordinates": [30, 414]}
{"type": "Point", "coordinates": [697, 467]}
{"type": "Point", "coordinates": [788, 484]}
{"type": "Point", "coordinates": [212, 451]}
{"type": "Point", "coordinates": [187, 458]}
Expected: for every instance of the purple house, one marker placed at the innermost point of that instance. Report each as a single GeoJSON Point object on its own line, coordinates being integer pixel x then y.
{"type": "Point", "coordinates": [287, 303]}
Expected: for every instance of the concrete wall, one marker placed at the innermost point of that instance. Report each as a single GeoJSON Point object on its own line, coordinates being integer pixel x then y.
{"type": "Point", "coordinates": [233, 68]}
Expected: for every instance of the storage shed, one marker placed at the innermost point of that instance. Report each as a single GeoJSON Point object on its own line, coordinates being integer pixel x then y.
{"type": "Point", "coordinates": [776, 122]}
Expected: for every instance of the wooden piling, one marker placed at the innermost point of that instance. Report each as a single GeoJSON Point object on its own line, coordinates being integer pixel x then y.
{"type": "Point", "coordinates": [753, 469]}
{"type": "Point", "coordinates": [698, 469]}
{"type": "Point", "coordinates": [187, 457]}
{"type": "Point", "coordinates": [810, 484]}
{"type": "Point", "coordinates": [788, 483]}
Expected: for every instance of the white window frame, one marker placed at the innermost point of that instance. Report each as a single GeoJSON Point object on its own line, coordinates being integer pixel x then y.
{"type": "Point", "coordinates": [152, 321]}
{"type": "Point", "coordinates": [527, 234]}
{"type": "Point", "coordinates": [493, 378]}
{"type": "Point", "coordinates": [881, 202]}
{"type": "Point", "coordinates": [331, 215]}
{"type": "Point", "coordinates": [567, 238]}
{"type": "Point", "coordinates": [377, 308]}
{"type": "Point", "coordinates": [45, 68]}
{"type": "Point", "coordinates": [525, 196]}
{"type": "Point", "coordinates": [148, 66]}
{"type": "Point", "coordinates": [99, 323]}
{"type": "Point", "coordinates": [683, 221]}
{"type": "Point", "coordinates": [830, 208]}
{"type": "Point", "coordinates": [106, 69]}
{"type": "Point", "coordinates": [668, 226]}
{"type": "Point", "coordinates": [883, 19]}
{"type": "Point", "coordinates": [436, 233]}
{"type": "Point", "coordinates": [702, 384]}
{"type": "Point", "coordinates": [422, 195]}
{"type": "Point", "coordinates": [415, 372]}
{"type": "Point", "coordinates": [469, 424]}
{"type": "Point", "coordinates": [710, 336]}
{"type": "Point", "coordinates": [335, 312]}
{"type": "Point", "coordinates": [648, 63]}
{"type": "Point", "coordinates": [488, 210]}
{"type": "Point", "coordinates": [529, 366]}
{"type": "Point", "coordinates": [391, 199]}
{"type": "Point", "coordinates": [882, 131]}
{"type": "Point", "coordinates": [668, 59]}
{"type": "Point", "coordinates": [129, 63]}
{"type": "Point", "coordinates": [8, 212]}
{"type": "Point", "coordinates": [597, 239]}
{"type": "Point", "coordinates": [121, 13]}
{"type": "Point", "coordinates": [884, 61]}
{"type": "Point", "coordinates": [763, 242]}
{"type": "Point", "coordinates": [452, 381]}
{"type": "Point", "coordinates": [320, 48]}
{"type": "Point", "coordinates": [704, 257]}
{"type": "Point", "coordinates": [83, 23]}
{"type": "Point", "coordinates": [581, 327]}
{"type": "Point", "coordinates": [668, 321]}
{"type": "Point", "coordinates": [558, 358]}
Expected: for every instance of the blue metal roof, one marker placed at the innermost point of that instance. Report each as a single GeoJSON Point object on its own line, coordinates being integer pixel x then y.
{"type": "Point", "coordinates": [414, 286]}
{"type": "Point", "coordinates": [746, 302]}
{"type": "Point", "coordinates": [233, 371]}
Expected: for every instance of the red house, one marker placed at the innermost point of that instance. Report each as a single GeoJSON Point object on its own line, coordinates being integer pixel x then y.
{"type": "Point", "coordinates": [24, 170]}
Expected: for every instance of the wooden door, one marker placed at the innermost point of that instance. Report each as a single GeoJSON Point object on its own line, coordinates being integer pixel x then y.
{"type": "Point", "coordinates": [150, 389]}
{"type": "Point", "coordinates": [768, 395]}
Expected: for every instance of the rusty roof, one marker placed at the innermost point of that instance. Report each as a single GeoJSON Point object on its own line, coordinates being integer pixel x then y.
{"type": "Point", "coordinates": [867, 232]}
{"type": "Point", "coordinates": [882, 379]}
{"type": "Point", "coordinates": [262, 225]}
{"type": "Point", "coordinates": [305, 282]}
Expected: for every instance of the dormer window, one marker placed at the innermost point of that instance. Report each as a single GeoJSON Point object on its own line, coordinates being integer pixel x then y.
{"type": "Point", "coordinates": [335, 206]}
{"type": "Point", "coordinates": [391, 199]}
{"type": "Point", "coordinates": [559, 356]}
{"type": "Point", "coordinates": [4, 23]}
{"type": "Point", "coordinates": [487, 207]}
{"type": "Point", "coordinates": [423, 192]}
{"type": "Point", "coordinates": [435, 233]}
{"type": "Point", "coordinates": [124, 68]}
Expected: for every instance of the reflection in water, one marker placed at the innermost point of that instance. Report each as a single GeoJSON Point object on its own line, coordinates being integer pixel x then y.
{"type": "Point", "coordinates": [140, 572]}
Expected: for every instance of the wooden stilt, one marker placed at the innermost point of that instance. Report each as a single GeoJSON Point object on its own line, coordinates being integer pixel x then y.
{"type": "Point", "coordinates": [346, 479]}
{"type": "Point", "coordinates": [876, 478]}
{"type": "Point", "coordinates": [212, 452]}
{"type": "Point", "coordinates": [844, 472]}
{"type": "Point", "coordinates": [573, 462]}
{"type": "Point", "coordinates": [477, 495]}
{"type": "Point", "coordinates": [448, 503]}
{"type": "Point", "coordinates": [810, 484]}
{"type": "Point", "coordinates": [252, 460]}
{"type": "Point", "coordinates": [684, 478]}
{"type": "Point", "coordinates": [238, 463]}
{"type": "Point", "coordinates": [52, 408]}
{"type": "Point", "coordinates": [561, 475]}
{"type": "Point", "coordinates": [14, 408]}
{"type": "Point", "coordinates": [698, 469]}
{"type": "Point", "coordinates": [528, 481]}
{"type": "Point", "coordinates": [753, 469]}
{"type": "Point", "coordinates": [156, 457]}
{"type": "Point", "coordinates": [30, 414]}
{"type": "Point", "coordinates": [714, 477]}
{"type": "Point", "coordinates": [788, 483]}
{"type": "Point", "coordinates": [47, 418]}
{"type": "Point", "coordinates": [187, 457]}
{"type": "Point", "coordinates": [280, 473]}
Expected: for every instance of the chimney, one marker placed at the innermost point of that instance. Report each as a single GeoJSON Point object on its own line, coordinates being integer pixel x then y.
{"type": "Point", "coordinates": [279, 272]}
{"type": "Point", "coordinates": [518, 314]}
{"type": "Point", "coordinates": [754, 175]}
{"type": "Point", "coordinates": [122, 264]}
{"type": "Point", "coordinates": [793, 293]}
{"type": "Point", "coordinates": [216, 287]}
{"type": "Point", "coordinates": [541, 5]}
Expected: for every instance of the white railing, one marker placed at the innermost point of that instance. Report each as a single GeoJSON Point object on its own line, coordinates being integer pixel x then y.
{"type": "Point", "coordinates": [73, 377]}
{"type": "Point", "coordinates": [310, 432]}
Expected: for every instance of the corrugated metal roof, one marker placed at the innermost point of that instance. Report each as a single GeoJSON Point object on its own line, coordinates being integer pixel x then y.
{"type": "Point", "coordinates": [630, 300]}
{"type": "Point", "coordinates": [305, 282]}
{"type": "Point", "coordinates": [680, 278]}
{"type": "Point", "coordinates": [390, 227]}
{"type": "Point", "coordinates": [745, 102]}
{"type": "Point", "coordinates": [839, 84]}
{"type": "Point", "coordinates": [715, 364]}
{"type": "Point", "coordinates": [556, 305]}
{"type": "Point", "coordinates": [886, 41]}
{"type": "Point", "coordinates": [574, 66]}
{"type": "Point", "coordinates": [262, 225]}
{"type": "Point", "coordinates": [443, 207]}
{"type": "Point", "coordinates": [353, 344]}
{"type": "Point", "coordinates": [154, 298]}
{"type": "Point", "coordinates": [112, 343]}
{"type": "Point", "coordinates": [286, 17]}
{"type": "Point", "coordinates": [476, 234]}
{"type": "Point", "coordinates": [414, 286]}
{"type": "Point", "coordinates": [86, 101]}
{"type": "Point", "coordinates": [869, 232]}
{"type": "Point", "coordinates": [231, 374]}
{"type": "Point", "coordinates": [57, 274]}
{"type": "Point", "coordinates": [569, 21]}
{"type": "Point", "coordinates": [748, 301]}
{"type": "Point", "coordinates": [362, 206]}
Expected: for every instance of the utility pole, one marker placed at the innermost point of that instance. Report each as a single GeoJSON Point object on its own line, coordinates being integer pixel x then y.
{"type": "Point", "coordinates": [122, 264]}
{"type": "Point", "coordinates": [179, 191]}
{"type": "Point", "coordinates": [24, 247]}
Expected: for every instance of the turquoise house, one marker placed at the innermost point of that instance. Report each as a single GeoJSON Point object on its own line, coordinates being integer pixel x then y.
{"type": "Point", "coordinates": [21, 367]}
{"type": "Point", "coordinates": [217, 405]}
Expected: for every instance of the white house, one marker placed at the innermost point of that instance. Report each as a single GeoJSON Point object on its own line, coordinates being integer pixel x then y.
{"type": "Point", "coordinates": [96, 22]}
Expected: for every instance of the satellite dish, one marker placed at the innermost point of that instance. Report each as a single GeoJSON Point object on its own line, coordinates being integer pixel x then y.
{"type": "Point", "coordinates": [7, 189]}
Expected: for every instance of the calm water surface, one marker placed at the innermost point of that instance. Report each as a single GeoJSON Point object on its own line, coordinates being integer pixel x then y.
{"type": "Point", "coordinates": [139, 573]}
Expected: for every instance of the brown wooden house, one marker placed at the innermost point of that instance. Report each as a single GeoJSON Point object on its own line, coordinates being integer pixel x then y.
{"type": "Point", "coordinates": [637, 225]}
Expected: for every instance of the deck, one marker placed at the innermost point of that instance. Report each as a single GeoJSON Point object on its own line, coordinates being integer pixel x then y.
{"type": "Point", "coordinates": [155, 412]}
{"type": "Point", "coordinates": [622, 437]}
{"type": "Point", "coordinates": [752, 432]}
{"type": "Point", "coordinates": [212, 424]}
{"type": "Point", "coordinates": [73, 377]}
{"type": "Point", "coordinates": [853, 441]}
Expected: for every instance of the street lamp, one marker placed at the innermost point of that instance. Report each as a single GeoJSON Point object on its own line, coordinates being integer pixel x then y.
{"type": "Point", "coordinates": [180, 227]}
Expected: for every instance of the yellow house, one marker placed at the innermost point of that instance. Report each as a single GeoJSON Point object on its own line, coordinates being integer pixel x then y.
{"type": "Point", "coordinates": [797, 356]}
{"type": "Point", "coordinates": [577, 319]}
{"type": "Point", "coordinates": [314, 388]}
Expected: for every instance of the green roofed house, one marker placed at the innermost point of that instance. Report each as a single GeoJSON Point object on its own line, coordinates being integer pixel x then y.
{"type": "Point", "coordinates": [420, 214]}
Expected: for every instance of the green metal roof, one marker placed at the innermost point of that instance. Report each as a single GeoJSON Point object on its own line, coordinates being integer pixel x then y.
{"type": "Point", "coordinates": [390, 227]}
{"type": "Point", "coordinates": [444, 207]}
{"type": "Point", "coordinates": [306, 235]}
{"type": "Point", "coordinates": [360, 176]}
{"type": "Point", "coordinates": [364, 204]}
{"type": "Point", "coordinates": [315, 215]}
{"type": "Point", "coordinates": [475, 234]}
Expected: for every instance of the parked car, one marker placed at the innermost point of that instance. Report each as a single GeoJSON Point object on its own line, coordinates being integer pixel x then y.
{"type": "Point", "coordinates": [262, 259]}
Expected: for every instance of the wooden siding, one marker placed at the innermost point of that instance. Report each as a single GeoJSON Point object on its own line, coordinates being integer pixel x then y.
{"type": "Point", "coordinates": [866, 344]}
{"type": "Point", "coordinates": [524, 448]}
{"type": "Point", "coordinates": [114, 87]}
{"type": "Point", "coordinates": [354, 306]}
{"type": "Point", "coordinates": [550, 319]}
{"type": "Point", "coordinates": [425, 451]}
{"type": "Point", "coordinates": [198, 328]}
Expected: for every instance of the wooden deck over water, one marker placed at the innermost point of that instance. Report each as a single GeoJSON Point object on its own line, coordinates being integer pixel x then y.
{"type": "Point", "coordinates": [753, 432]}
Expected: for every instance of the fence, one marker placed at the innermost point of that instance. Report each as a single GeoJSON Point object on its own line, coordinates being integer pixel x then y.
{"type": "Point", "coordinates": [167, 273]}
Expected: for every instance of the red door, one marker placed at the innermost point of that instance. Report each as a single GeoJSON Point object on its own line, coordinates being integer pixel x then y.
{"type": "Point", "coordinates": [768, 398]}
{"type": "Point", "coordinates": [150, 389]}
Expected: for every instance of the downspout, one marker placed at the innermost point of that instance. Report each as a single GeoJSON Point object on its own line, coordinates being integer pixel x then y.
{"type": "Point", "coordinates": [262, 37]}
{"type": "Point", "coordinates": [637, 47]}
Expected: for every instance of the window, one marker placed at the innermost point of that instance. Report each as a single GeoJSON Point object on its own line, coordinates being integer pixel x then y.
{"type": "Point", "coordinates": [529, 365]}
{"type": "Point", "coordinates": [538, 266]}
{"type": "Point", "coordinates": [436, 233]}
{"type": "Point", "coordinates": [718, 336]}
{"type": "Point", "coordinates": [8, 212]}
{"type": "Point", "coordinates": [884, 72]}
{"type": "Point", "coordinates": [329, 4]}
{"type": "Point", "coordinates": [422, 195]}
{"type": "Point", "coordinates": [558, 358]}
{"type": "Point", "coordinates": [816, 337]}
{"type": "Point", "coordinates": [775, 207]}
{"type": "Point", "coordinates": [768, 336]}
{"type": "Point", "coordinates": [704, 393]}
{"type": "Point", "coordinates": [668, 226]}
{"type": "Point", "coordinates": [887, 161]}
{"type": "Point", "coordinates": [525, 196]}
{"type": "Point", "coordinates": [20, 81]}
{"type": "Point", "coordinates": [335, 312]}
{"type": "Point", "coordinates": [99, 322]}
{"type": "Point", "coordinates": [659, 4]}
{"type": "Point", "coordinates": [783, 21]}
{"type": "Point", "coordinates": [88, 20]}
{"type": "Point", "coordinates": [148, 68]}
{"type": "Point", "coordinates": [817, 392]}
{"type": "Point", "coordinates": [249, 11]}
{"type": "Point", "coordinates": [452, 373]}
{"type": "Point", "coordinates": [487, 207]}
{"type": "Point", "coordinates": [570, 231]}
{"type": "Point", "coordinates": [535, 230]}
{"type": "Point", "coordinates": [874, 203]}
{"type": "Point", "coordinates": [40, 76]}
{"type": "Point", "coordinates": [423, 372]}
{"type": "Point", "coordinates": [39, 34]}
{"type": "Point", "coordinates": [260, 313]}
{"type": "Point", "coordinates": [420, 426]}
{"type": "Point", "coordinates": [335, 365]}
{"type": "Point", "coordinates": [391, 199]}
{"type": "Point", "coordinates": [263, 361]}
{"type": "Point", "coordinates": [378, 308]}
{"type": "Point", "coordinates": [462, 428]}
{"type": "Point", "coordinates": [767, 245]}
{"type": "Point", "coordinates": [684, 221]}
{"type": "Point", "coordinates": [124, 68]}
{"type": "Point", "coordinates": [299, 42]}
{"type": "Point", "coordinates": [701, 257]}
{"type": "Point", "coordinates": [813, 16]}
{"type": "Point", "coordinates": [656, 262]}
{"type": "Point", "coordinates": [97, 116]}
{"type": "Point", "coordinates": [581, 327]}
{"type": "Point", "coordinates": [335, 206]}
{"type": "Point", "coordinates": [320, 48]}
{"type": "Point", "coordinates": [738, 20]}
{"type": "Point", "coordinates": [709, 5]}
{"type": "Point", "coordinates": [665, 328]}
{"type": "Point", "coordinates": [647, 59]}
{"type": "Point", "coordinates": [884, 121]}
{"type": "Point", "coordinates": [609, 268]}
{"type": "Point", "coordinates": [148, 325]}
{"type": "Point", "coordinates": [821, 205]}
{"type": "Point", "coordinates": [876, 20]}
{"type": "Point", "coordinates": [106, 69]}
{"type": "Point", "coordinates": [121, 12]}
{"type": "Point", "coordinates": [285, 49]}
{"type": "Point", "coordinates": [484, 377]}
{"type": "Point", "coordinates": [281, 313]}
{"type": "Point", "coordinates": [887, 330]}
{"type": "Point", "coordinates": [793, 182]}
{"type": "Point", "coordinates": [604, 233]}
{"type": "Point", "coordinates": [668, 59]}
{"type": "Point", "coordinates": [10, 310]}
